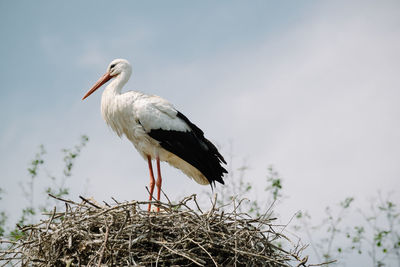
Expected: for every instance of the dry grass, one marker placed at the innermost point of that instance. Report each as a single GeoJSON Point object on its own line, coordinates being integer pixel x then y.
{"type": "Point", "coordinates": [125, 234]}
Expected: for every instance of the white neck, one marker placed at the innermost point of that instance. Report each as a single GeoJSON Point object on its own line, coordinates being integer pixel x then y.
{"type": "Point", "coordinates": [111, 103]}
{"type": "Point", "coordinates": [116, 85]}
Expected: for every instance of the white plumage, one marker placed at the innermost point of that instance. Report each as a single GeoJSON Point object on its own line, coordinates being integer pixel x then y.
{"type": "Point", "coordinates": [156, 129]}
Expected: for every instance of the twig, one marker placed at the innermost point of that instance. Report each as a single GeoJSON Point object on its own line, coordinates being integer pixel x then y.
{"type": "Point", "coordinates": [51, 219]}
{"type": "Point", "coordinates": [63, 200]}
{"type": "Point", "coordinates": [183, 255]}
{"type": "Point", "coordinates": [89, 202]}
{"type": "Point", "coordinates": [104, 244]}
{"type": "Point", "coordinates": [197, 243]}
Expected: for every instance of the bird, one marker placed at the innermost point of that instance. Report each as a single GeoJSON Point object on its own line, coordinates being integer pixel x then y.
{"type": "Point", "coordinates": [157, 130]}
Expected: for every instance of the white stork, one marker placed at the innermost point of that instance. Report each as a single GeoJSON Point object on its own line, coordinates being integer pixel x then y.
{"type": "Point", "coordinates": [157, 130]}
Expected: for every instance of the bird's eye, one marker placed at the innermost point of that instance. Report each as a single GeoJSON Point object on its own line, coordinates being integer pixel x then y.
{"type": "Point", "coordinates": [112, 66]}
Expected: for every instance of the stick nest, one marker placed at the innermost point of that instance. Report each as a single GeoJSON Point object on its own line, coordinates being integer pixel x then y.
{"type": "Point", "coordinates": [125, 234]}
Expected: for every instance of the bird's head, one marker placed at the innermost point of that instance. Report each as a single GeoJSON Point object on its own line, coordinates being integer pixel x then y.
{"type": "Point", "coordinates": [117, 67]}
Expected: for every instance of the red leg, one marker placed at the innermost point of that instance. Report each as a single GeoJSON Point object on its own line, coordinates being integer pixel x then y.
{"type": "Point", "coordinates": [159, 181]}
{"type": "Point", "coordinates": [152, 181]}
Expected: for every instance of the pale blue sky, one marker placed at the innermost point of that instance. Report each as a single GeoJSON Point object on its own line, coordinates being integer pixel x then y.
{"type": "Point", "coordinates": [309, 86]}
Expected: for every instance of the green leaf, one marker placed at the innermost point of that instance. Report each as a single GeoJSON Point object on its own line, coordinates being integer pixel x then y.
{"type": "Point", "coordinates": [346, 203]}
{"type": "Point", "coordinates": [299, 215]}
{"type": "Point", "coordinates": [16, 234]}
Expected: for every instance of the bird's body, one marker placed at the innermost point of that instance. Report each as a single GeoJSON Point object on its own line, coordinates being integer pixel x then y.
{"type": "Point", "coordinates": [156, 129]}
{"type": "Point", "coordinates": [135, 115]}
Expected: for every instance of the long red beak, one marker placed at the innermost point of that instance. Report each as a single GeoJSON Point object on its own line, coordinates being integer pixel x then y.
{"type": "Point", "coordinates": [105, 78]}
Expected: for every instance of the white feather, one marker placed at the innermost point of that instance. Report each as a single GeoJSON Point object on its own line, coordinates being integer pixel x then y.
{"type": "Point", "coordinates": [155, 112]}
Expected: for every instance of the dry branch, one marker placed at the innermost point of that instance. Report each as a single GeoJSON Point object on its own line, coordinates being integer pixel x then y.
{"type": "Point", "coordinates": [125, 234]}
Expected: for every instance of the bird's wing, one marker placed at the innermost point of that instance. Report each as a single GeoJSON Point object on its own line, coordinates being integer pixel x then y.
{"type": "Point", "coordinates": [155, 112]}
{"type": "Point", "coordinates": [178, 135]}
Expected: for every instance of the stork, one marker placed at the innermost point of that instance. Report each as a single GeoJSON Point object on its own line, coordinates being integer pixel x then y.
{"type": "Point", "coordinates": [157, 130]}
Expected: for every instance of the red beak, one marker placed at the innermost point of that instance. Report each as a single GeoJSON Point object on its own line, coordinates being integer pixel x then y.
{"type": "Point", "coordinates": [105, 78]}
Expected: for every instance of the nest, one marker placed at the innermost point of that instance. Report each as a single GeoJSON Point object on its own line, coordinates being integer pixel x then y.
{"type": "Point", "coordinates": [126, 234]}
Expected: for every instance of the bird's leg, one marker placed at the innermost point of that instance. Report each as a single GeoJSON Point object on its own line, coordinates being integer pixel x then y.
{"type": "Point", "coordinates": [159, 181]}
{"type": "Point", "coordinates": [152, 181]}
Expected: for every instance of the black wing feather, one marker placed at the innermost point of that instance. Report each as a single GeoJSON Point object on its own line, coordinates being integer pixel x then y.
{"type": "Point", "coordinates": [194, 148]}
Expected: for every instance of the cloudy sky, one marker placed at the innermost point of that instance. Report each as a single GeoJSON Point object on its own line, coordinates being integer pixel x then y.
{"type": "Point", "coordinates": [311, 87]}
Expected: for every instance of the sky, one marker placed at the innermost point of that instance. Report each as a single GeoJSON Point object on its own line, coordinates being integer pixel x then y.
{"type": "Point", "coordinates": [310, 87]}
